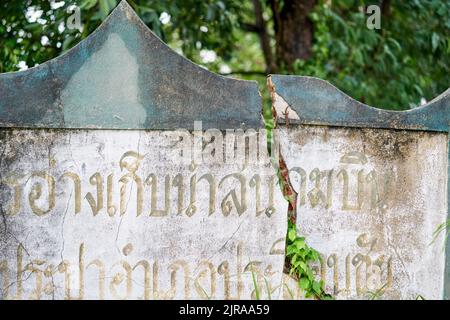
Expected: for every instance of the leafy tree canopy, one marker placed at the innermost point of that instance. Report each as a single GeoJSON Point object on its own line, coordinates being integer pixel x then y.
{"type": "Point", "coordinates": [395, 67]}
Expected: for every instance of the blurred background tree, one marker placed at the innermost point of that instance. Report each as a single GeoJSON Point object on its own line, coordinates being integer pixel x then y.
{"type": "Point", "coordinates": [399, 66]}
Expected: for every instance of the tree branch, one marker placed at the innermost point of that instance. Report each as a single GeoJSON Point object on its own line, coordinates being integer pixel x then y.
{"type": "Point", "coordinates": [276, 15]}
{"type": "Point", "coordinates": [264, 38]}
{"type": "Point", "coordinates": [250, 27]}
{"type": "Point", "coordinates": [277, 25]}
{"type": "Point", "coordinates": [386, 7]}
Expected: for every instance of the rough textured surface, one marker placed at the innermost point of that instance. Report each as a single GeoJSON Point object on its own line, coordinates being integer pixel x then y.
{"type": "Point", "coordinates": [311, 107]}
{"type": "Point", "coordinates": [318, 102]}
{"type": "Point", "coordinates": [112, 214]}
{"type": "Point", "coordinates": [369, 201]}
{"type": "Point", "coordinates": [134, 214]}
{"type": "Point", "coordinates": [123, 77]}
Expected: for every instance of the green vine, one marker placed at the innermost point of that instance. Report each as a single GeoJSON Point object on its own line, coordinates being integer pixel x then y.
{"type": "Point", "coordinates": [300, 257]}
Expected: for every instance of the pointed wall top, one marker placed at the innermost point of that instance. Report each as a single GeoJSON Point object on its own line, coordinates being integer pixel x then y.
{"type": "Point", "coordinates": [317, 102]}
{"type": "Point", "coordinates": [122, 76]}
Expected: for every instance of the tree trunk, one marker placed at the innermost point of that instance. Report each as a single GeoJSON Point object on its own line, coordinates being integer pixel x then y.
{"type": "Point", "coordinates": [264, 37]}
{"type": "Point", "coordinates": [293, 31]}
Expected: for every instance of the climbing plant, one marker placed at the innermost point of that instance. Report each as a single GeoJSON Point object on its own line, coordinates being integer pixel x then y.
{"type": "Point", "coordinates": [300, 258]}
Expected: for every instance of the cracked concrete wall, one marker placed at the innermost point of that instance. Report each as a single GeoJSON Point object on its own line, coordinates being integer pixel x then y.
{"type": "Point", "coordinates": [369, 202]}
{"type": "Point", "coordinates": [110, 214]}
{"type": "Point", "coordinates": [368, 197]}
{"type": "Point", "coordinates": [129, 210]}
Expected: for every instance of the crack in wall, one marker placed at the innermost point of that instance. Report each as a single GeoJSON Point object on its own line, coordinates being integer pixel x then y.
{"type": "Point", "coordinates": [282, 170]}
{"type": "Point", "coordinates": [62, 227]}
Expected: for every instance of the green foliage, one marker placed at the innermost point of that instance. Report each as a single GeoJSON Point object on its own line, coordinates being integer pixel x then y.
{"type": "Point", "coordinates": [376, 295]}
{"type": "Point", "coordinates": [269, 294]}
{"type": "Point", "coordinates": [301, 257]}
{"type": "Point", "coordinates": [394, 67]}
{"type": "Point", "coordinates": [256, 289]}
{"type": "Point", "coordinates": [255, 285]}
{"type": "Point", "coordinates": [442, 228]}
{"type": "Point", "coordinates": [20, 37]}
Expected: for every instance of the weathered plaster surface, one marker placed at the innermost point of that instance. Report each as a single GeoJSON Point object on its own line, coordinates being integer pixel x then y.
{"type": "Point", "coordinates": [144, 83]}
{"type": "Point", "coordinates": [396, 198]}
{"type": "Point", "coordinates": [81, 208]}
{"type": "Point", "coordinates": [115, 97]}
{"type": "Point", "coordinates": [189, 251]}
{"type": "Point", "coordinates": [317, 102]}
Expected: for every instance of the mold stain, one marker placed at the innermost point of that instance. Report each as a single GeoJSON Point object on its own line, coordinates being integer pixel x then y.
{"type": "Point", "coordinates": [114, 99]}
